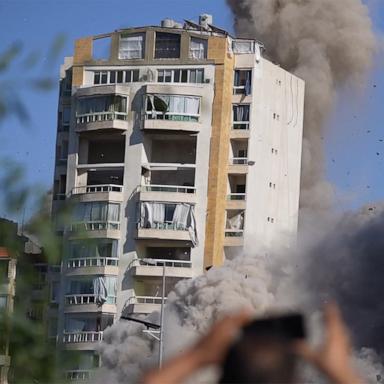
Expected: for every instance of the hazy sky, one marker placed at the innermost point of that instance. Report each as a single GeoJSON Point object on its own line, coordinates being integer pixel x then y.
{"type": "Point", "coordinates": [355, 138]}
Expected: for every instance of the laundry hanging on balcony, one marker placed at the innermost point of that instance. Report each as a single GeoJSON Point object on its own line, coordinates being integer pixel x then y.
{"type": "Point", "coordinates": [100, 290]}
{"type": "Point", "coordinates": [178, 217]}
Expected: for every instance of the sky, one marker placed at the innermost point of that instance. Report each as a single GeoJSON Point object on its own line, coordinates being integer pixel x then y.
{"type": "Point", "coordinates": [354, 150]}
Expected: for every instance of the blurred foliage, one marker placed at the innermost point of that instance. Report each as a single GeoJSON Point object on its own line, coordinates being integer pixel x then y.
{"type": "Point", "coordinates": [33, 354]}
{"type": "Point", "coordinates": [33, 74]}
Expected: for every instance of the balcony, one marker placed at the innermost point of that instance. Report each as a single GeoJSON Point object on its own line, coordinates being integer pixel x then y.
{"type": "Point", "coordinates": [92, 266]}
{"type": "Point", "coordinates": [101, 120]}
{"type": "Point", "coordinates": [102, 192]}
{"type": "Point", "coordinates": [144, 304]}
{"type": "Point", "coordinates": [236, 201]}
{"type": "Point", "coordinates": [154, 267]}
{"type": "Point", "coordinates": [87, 303]}
{"type": "Point", "coordinates": [78, 375]}
{"type": "Point", "coordinates": [163, 231]}
{"type": "Point", "coordinates": [95, 229]}
{"type": "Point", "coordinates": [234, 237]}
{"type": "Point", "coordinates": [168, 193]}
{"type": "Point", "coordinates": [238, 165]}
{"type": "Point", "coordinates": [157, 122]}
{"type": "Point", "coordinates": [82, 337]}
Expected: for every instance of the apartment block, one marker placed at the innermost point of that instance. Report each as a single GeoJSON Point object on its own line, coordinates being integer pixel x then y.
{"type": "Point", "coordinates": [177, 145]}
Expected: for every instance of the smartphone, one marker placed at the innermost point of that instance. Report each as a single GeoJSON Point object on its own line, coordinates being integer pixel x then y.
{"type": "Point", "coordinates": [290, 326]}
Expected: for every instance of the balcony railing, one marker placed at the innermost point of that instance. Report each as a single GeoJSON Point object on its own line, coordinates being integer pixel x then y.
{"type": "Point", "coordinates": [95, 226]}
{"type": "Point", "coordinates": [100, 116]}
{"type": "Point", "coordinates": [239, 161]}
{"type": "Point", "coordinates": [81, 299]}
{"type": "Point", "coordinates": [234, 233]}
{"type": "Point", "coordinates": [82, 337]}
{"type": "Point", "coordinates": [78, 375]}
{"type": "Point", "coordinates": [167, 225]}
{"type": "Point", "coordinates": [97, 188]}
{"type": "Point", "coordinates": [242, 125]}
{"type": "Point", "coordinates": [167, 188]}
{"type": "Point", "coordinates": [92, 262]}
{"type": "Point", "coordinates": [237, 196]}
{"type": "Point", "coordinates": [155, 115]}
{"type": "Point", "coordinates": [145, 300]}
{"type": "Point", "coordinates": [160, 263]}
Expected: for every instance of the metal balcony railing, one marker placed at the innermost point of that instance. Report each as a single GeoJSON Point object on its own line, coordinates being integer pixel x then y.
{"type": "Point", "coordinates": [97, 188]}
{"type": "Point", "coordinates": [82, 337]}
{"type": "Point", "coordinates": [242, 125]}
{"type": "Point", "coordinates": [165, 226]}
{"type": "Point", "coordinates": [234, 233]}
{"type": "Point", "coordinates": [81, 299]}
{"type": "Point", "coordinates": [237, 196]}
{"type": "Point", "coordinates": [95, 226]}
{"type": "Point", "coordinates": [167, 188]}
{"type": "Point", "coordinates": [145, 300]}
{"type": "Point", "coordinates": [78, 375]}
{"type": "Point", "coordinates": [239, 161]}
{"type": "Point", "coordinates": [160, 263]}
{"type": "Point", "coordinates": [100, 116]}
{"type": "Point", "coordinates": [155, 115]}
{"type": "Point", "coordinates": [92, 262]}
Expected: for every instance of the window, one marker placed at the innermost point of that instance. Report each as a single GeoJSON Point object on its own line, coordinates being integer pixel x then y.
{"type": "Point", "coordinates": [113, 77]}
{"type": "Point", "coordinates": [101, 48]}
{"type": "Point", "coordinates": [167, 46]}
{"type": "Point", "coordinates": [92, 249]}
{"type": "Point", "coordinates": [180, 75]}
{"type": "Point", "coordinates": [97, 212]}
{"type": "Point", "coordinates": [131, 46]}
{"type": "Point", "coordinates": [243, 46]}
{"type": "Point", "coordinates": [104, 107]}
{"type": "Point", "coordinates": [198, 48]}
{"type": "Point", "coordinates": [170, 107]}
{"type": "Point", "coordinates": [165, 76]}
{"type": "Point", "coordinates": [241, 116]}
{"type": "Point", "coordinates": [66, 116]}
{"type": "Point", "coordinates": [55, 291]}
{"type": "Point", "coordinates": [243, 82]}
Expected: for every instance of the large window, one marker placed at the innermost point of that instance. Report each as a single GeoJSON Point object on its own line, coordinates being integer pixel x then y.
{"type": "Point", "coordinates": [198, 48]}
{"type": "Point", "coordinates": [243, 82]}
{"type": "Point", "coordinates": [180, 75]}
{"type": "Point", "coordinates": [132, 46]}
{"type": "Point", "coordinates": [116, 77]}
{"type": "Point", "coordinates": [101, 108]}
{"type": "Point", "coordinates": [96, 216]}
{"type": "Point", "coordinates": [170, 107]}
{"type": "Point", "coordinates": [241, 116]}
{"type": "Point", "coordinates": [167, 46]}
{"type": "Point", "coordinates": [92, 248]}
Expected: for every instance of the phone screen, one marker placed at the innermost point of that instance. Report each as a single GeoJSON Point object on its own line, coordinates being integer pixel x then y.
{"type": "Point", "coordinates": [289, 326]}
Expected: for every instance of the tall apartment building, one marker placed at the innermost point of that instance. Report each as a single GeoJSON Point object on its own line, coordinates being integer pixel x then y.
{"type": "Point", "coordinates": [178, 144]}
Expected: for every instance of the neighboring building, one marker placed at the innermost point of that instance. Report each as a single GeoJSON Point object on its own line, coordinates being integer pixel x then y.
{"type": "Point", "coordinates": [177, 143]}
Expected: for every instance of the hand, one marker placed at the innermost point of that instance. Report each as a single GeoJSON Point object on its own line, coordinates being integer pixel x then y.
{"type": "Point", "coordinates": [333, 357]}
{"type": "Point", "coordinates": [212, 348]}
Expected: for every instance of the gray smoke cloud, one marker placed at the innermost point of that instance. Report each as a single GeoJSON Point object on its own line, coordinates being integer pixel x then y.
{"type": "Point", "coordinates": [345, 264]}
{"type": "Point", "coordinates": [327, 43]}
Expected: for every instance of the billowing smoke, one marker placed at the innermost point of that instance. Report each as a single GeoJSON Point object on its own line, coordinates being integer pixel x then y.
{"type": "Point", "coordinates": [328, 44]}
